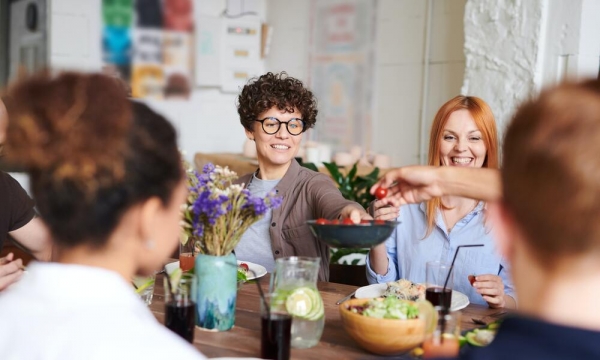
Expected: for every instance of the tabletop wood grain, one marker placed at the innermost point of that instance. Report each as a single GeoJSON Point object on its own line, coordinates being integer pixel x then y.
{"type": "Point", "coordinates": [244, 339]}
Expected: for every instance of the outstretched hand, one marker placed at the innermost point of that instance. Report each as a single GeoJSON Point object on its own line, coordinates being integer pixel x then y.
{"type": "Point", "coordinates": [355, 214]}
{"type": "Point", "coordinates": [385, 209]}
{"type": "Point", "coordinates": [409, 185]}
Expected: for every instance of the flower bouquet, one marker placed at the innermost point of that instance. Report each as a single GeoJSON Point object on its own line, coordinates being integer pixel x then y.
{"type": "Point", "coordinates": [218, 211]}
{"type": "Point", "coordinates": [216, 215]}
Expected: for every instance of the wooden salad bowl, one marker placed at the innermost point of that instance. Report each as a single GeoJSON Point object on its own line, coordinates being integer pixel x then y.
{"type": "Point", "coordinates": [382, 336]}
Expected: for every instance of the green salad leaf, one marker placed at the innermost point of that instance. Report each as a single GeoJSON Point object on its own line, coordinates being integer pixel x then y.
{"type": "Point", "coordinates": [391, 308]}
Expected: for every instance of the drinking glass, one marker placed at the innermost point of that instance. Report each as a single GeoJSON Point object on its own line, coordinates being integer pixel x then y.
{"type": "Point", "coordinates": [295, 280]}
{"type": "Point", "coordinates": [276, 328]}
{"type": "Point", "coordinates": [187, 255]}
{"type": "Point", "coordinates": [180, 305]}
{"type": "Point", "coordinates": [443, 342]}
{"type": "Point", "coordinates": [435, 278]}
{"type": "Point", "coordinates": [144, 286]}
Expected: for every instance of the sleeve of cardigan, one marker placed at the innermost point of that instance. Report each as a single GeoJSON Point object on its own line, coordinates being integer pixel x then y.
{"type": "Point", "coordinates": [326, 197]}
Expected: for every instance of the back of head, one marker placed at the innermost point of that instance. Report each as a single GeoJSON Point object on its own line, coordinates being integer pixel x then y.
{"type": "Point", "coordinates": [92, 154]}
{"type": "Point", "coordinates": [279, 90]}
{"type": "Point", "coordinates": [551, 171]}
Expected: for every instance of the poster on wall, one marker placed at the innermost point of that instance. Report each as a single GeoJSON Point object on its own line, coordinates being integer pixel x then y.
{"type": "Point", "coordinates": [341, 68]}
{"type": "Point", "coordinates": [117, 20]}
{"type": "Point", "coordinates": [148, 43]}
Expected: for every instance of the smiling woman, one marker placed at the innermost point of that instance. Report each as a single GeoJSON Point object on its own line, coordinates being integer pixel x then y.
{"type": "Point", "coordinates": [276, 110]}
{"type": "Point", "coordinates": [463, 134]}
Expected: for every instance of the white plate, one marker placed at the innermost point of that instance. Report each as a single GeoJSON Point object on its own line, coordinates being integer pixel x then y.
{"type": "Point", "coordinates": [459, 300]}
{"type": "Point", "coordinates": [259, 270]}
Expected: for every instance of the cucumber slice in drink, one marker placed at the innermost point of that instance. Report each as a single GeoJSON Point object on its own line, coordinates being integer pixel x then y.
{"type": "Point", "coordinates": [305, 302]}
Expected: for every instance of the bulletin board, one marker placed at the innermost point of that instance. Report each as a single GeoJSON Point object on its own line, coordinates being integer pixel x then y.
{"type": "Point", "coordinates": [149, 44]}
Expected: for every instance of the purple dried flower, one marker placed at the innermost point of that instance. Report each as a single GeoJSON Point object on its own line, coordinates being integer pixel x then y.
{"type": "Point", "coordinates": [214, 199]}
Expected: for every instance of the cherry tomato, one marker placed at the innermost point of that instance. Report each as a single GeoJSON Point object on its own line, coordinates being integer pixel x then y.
{"type": "Point", "coordinates": [244, 266]}
{"type": "Point", "coordinates": [321, 221]}
{"type": "Point", "coordinates": [379, 222]}
{"type": "Point", "coordinates": [380, 193]}
{"type": "Point", "coordinates": [365, 222]}
{"type": "Point", "coordinates": [347, 221]}
{"type": "Point", "coordinates": [334, 222]}
{"type": "Point", "coordinates": [472, 279]}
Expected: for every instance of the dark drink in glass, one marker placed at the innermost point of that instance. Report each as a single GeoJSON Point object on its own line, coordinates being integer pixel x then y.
{"type": "Point", "coordinates": [435, 296]}
{"type": "Point", "coordinates": [180, 317]}
{"type": "Point", "coordinates": [276, 336]}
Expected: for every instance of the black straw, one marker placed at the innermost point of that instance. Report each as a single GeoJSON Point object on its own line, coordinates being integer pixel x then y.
{"type": "Point", "coordinates": [450, 272]}
{"type": "Point", "coordinates": [262, 294]}
{"type": "Point", "coordinates": [446, 310]}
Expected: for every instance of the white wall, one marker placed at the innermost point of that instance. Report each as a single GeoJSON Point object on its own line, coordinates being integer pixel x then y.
{"type": "Point", "coordinates": [512, 49]}
{"type": "Point", "coordinates": [74, 35]}
{"type": "Point", "coordinates": [515, 48]}
{"type": "Point", "coordinates": [400, 58]}
{"type": "Point", "coordinates": [208, 122]}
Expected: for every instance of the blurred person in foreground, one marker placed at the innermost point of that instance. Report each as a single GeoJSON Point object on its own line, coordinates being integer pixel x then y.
{"type": "Point", "coordinates": [276, 110]}
{"type": "Point", "coordinates": [107, 177]}
{"type": "Point", "coordinates": [545, 204]}
{"type": "Point", "coordinates": [17, 219]}
{"type": "Point", "coordinates": [463, 134]}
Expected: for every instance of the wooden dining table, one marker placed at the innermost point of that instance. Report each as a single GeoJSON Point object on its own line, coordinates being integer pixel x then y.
{"type": "Point", "coordinates": [243, 340]}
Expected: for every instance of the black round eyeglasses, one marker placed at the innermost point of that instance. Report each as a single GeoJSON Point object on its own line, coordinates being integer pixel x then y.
{"type": "Point", "coordinates": [271, 125]}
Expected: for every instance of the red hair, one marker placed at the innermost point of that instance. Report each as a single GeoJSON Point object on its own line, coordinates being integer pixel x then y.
{"type": "Point", "coordinates": [485, 122]}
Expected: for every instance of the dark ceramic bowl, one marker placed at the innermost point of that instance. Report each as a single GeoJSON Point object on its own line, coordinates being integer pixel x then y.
{"type": "Point", "coordinates": [357, 236]}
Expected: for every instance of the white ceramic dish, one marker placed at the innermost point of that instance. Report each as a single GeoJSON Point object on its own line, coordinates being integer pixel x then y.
{"type": "Point", "coordinates": [259, 270]}
{"type": "Point", "coordinates": [459, 300]}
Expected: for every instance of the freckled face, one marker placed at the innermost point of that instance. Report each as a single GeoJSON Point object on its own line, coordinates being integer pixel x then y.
{"type": "Point", "coordinates": [462, 143]}
{"type": "Point", "coordinates": [280, 148]}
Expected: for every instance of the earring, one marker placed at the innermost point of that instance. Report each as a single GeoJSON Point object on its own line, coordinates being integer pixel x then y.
{"type": "Point", "coordinates": [149, 244]}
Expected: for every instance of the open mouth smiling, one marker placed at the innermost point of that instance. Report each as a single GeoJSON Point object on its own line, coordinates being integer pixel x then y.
{"type": "Point", "coordinates": [280, 147]}
{"type": "Point", "coordinates": [461, 160]}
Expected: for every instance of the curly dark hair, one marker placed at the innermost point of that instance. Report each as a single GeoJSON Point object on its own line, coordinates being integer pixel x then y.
{"type": "Point", "coordinates": [281, 90]}
{"type": "Point", "coordinates": [92, 154]}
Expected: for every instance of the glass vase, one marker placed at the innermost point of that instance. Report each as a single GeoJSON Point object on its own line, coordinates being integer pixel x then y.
{"type": "Point", "coordinates": [217, 291]}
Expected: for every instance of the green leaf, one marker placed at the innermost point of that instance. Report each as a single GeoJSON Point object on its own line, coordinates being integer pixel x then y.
{"type": "Point", "coordinates": [334, 172]}
{"type": "Point", "coordinates": [311, 166]}
{"type": "Point", "coordinates": [352, 173]}
{"type": "Point", "coordinates": [337, 254]}
{"type": "Point", "coordinates": [373, 174]}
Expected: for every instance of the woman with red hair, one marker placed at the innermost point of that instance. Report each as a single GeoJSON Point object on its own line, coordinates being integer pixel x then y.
{"type": "Point", "coordinates": [463, 134]}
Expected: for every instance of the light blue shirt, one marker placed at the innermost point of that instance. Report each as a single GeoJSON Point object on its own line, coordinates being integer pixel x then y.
{"type": "Point", "coordinates": [408, 251]}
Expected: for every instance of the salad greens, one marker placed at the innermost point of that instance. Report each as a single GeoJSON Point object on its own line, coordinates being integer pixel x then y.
{"type": "Point", "coordinates": [388, 308]}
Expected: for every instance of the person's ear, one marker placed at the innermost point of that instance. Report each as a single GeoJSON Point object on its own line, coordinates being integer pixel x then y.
{"type": "Point", "coordinates": [149, 219]}
{"type": "Point", "coordinates": [249, 134]}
